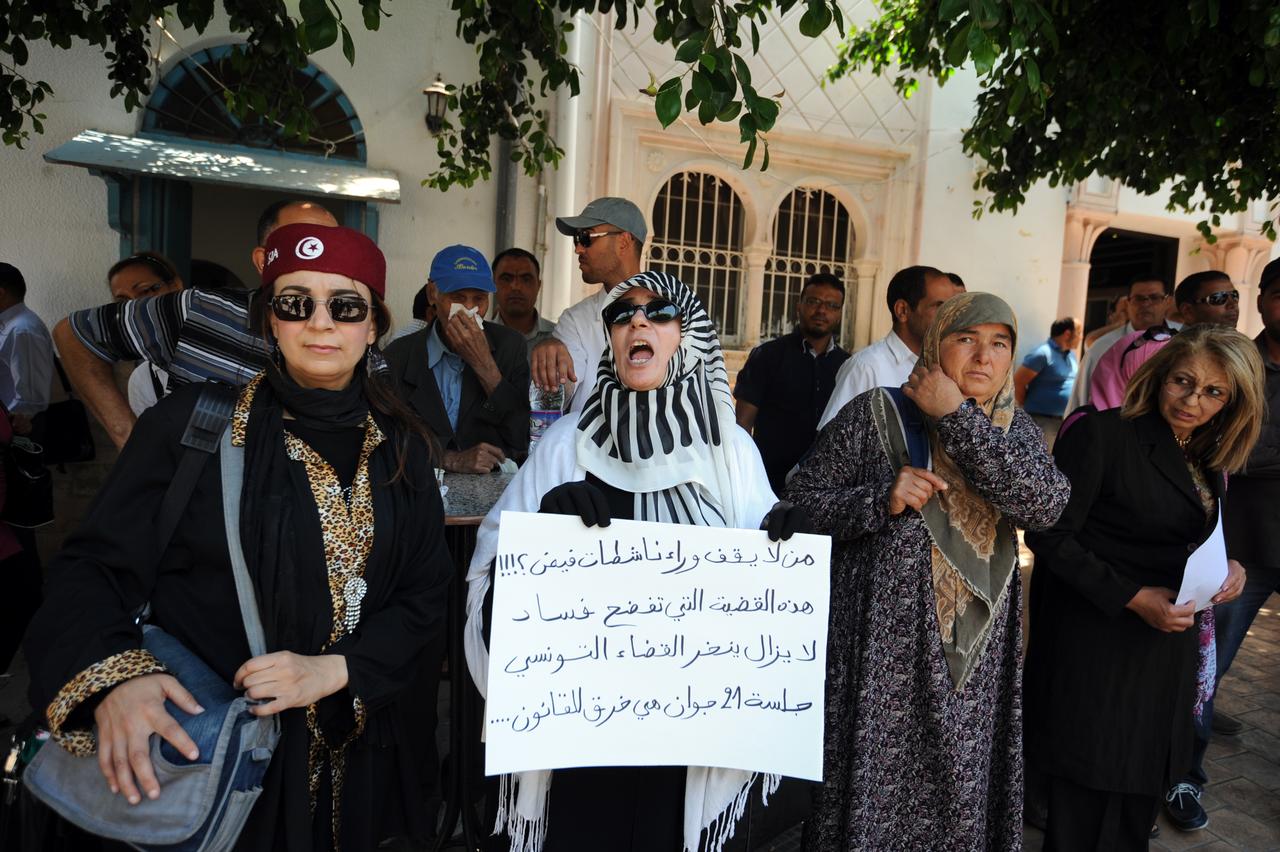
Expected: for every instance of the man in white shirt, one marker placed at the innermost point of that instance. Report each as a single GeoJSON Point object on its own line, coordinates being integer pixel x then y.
{"type": "Point", "coordinates": [609, 238]}
{"type": "Point", "coordinates": [1148, 305]}
{"type": "Point", "coordinates": [26, 353]}
{"type": "Point", "coordinates": [915, 294]}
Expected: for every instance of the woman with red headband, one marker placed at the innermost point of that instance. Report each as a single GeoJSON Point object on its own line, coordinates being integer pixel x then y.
{"type": "Point", "coordinates": [341, 527]}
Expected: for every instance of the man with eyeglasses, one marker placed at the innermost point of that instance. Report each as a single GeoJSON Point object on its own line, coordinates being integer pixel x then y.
{"type": "Point", "coordinates": [914, 296]}
{"type": "Point", "coordinates": [1147, 305]}
{"type": "Point", "coordinates": [1250, 518]}
{"type": "Point", "coordinates": [466, 378]}
{"type": "Point", "coordinates": [783, 388]}
{"type": "Point", "coordinates": [1208, 297]}
{"type": "Point", "coordinates": [193, 334]}
{"type": "Point", "coordinates": [608, 237]}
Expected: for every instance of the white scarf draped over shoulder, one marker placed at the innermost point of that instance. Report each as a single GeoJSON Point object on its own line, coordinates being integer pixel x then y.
{"type": "Point", "coordinates": [687, 461]}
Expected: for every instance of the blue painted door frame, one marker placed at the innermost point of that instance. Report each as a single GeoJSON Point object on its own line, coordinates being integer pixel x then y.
{"type": "Point", "coordinates": [154, 214]}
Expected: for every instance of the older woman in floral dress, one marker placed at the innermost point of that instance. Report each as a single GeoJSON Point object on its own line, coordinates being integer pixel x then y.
{"type": "Point", "coordinates": [921, 489]}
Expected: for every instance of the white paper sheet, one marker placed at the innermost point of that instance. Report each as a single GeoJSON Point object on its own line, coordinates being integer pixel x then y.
{"type": "Point", "coordinates": [649, 644]}
{"type": "Point", "coordinates": [1206, 570]}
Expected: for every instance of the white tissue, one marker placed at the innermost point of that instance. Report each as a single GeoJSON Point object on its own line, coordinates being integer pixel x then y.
{"type": "Point", "coordinates": [457, 307]}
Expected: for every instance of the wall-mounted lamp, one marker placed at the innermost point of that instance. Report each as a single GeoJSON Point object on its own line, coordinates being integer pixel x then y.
{"type": "Point", "coordinates": [437, 104]}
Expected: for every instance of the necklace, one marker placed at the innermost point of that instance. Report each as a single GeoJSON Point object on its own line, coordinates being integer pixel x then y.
{"type": "Point", "coordinates": [1183, 441]}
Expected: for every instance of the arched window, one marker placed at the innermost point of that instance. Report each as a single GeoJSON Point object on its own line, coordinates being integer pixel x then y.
{"type": "Point", "coordinates": [697, 236]}
{"type": "Point", "coordinates": [812, 233]}
{"type": "Point", "coordinates": [189, 102]}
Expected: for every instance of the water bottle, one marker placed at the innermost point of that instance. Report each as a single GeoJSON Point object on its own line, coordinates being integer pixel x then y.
{"type": "Point", "coordinates": [545, 408]}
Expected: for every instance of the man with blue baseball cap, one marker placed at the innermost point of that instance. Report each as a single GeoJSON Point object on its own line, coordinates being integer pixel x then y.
{"type": "Point", "coordinates": [467, 378]}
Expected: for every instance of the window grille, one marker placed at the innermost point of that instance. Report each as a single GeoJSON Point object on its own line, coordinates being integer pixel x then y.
{"type": "Point", "coordinates": [697, 236]}
{"type": "Point", "coordinates": [189, 102]}
{"type": "Point", "coordinates": [812, 233]}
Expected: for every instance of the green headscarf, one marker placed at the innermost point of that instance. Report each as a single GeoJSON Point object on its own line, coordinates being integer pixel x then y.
{"type": "Point", "coordinates": [974, 550]}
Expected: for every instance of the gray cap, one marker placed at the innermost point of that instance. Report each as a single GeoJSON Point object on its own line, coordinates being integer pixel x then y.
{"type": "Point", "coordinates": [618, 212]}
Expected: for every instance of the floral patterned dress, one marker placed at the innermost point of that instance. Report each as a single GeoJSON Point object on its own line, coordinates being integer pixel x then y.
{"type": "Point", "coordinates": [912, 763]}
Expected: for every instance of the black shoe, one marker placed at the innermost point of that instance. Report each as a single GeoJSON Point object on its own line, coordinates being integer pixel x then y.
{"type": "Point", "coordinates": [1183, 805]}
{"type": "Point", "coordinates": [1228, 725]}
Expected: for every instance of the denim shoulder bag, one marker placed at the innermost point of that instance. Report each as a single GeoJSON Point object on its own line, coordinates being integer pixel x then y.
{"type": "Point", "coordinates": [203, 804]}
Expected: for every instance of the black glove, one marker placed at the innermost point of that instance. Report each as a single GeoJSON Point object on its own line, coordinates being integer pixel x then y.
{"type": "Point", "coordinates": [785, 520]}
{"type": "Point", "coordinates": [577, 498]}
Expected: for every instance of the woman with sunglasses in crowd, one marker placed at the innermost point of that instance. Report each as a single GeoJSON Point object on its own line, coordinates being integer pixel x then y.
{"type": "Point", "coordinates": [1112, 658]}
{"type": "Point", "coordinates": [661, 377]}
{"type": "Point", "coordinates": [341, 528]}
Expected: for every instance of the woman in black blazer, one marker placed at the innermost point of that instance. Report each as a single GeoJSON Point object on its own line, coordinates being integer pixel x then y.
{"type": "Point", "coordinates": [1111, 664]}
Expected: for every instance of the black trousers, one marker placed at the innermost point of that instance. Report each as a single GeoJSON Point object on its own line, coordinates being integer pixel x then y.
{"type": "Point", "coordinates": [1082, 819]}
{"type": "Point", "coordinates": [21, 579]}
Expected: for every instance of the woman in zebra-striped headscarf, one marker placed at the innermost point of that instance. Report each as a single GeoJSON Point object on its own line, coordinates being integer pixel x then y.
{"type": "Point", "coordinates": [655, 441]}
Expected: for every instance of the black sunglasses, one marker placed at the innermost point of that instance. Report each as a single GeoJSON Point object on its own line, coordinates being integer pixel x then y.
{"type": "Point", "coordinates": [657, 310]}
{"type": "Point", "coordinates": [584, 238]}
{"type": "Point", "coordinates": [1155, 334]}
{"type": "Point", "coordinates": [295, 307]}
{"type": "Point", "coordinates": [1219, 298]}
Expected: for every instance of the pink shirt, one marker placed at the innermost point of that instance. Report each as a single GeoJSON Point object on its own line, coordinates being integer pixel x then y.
{"type": "Point", "coordinates": [1118, 364]}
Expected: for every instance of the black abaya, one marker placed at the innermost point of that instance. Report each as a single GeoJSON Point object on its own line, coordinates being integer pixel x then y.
{"type": "Point", "coordinates": [109, 567]}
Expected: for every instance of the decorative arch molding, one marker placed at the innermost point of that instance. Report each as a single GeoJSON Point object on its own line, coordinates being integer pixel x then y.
{"type": "Point", "coordinates": [812, 232]}
{"type": "Point", "coordinates": [857, 210]}
{"type": "Point", "coordinates": [716, 168]}
{"type": "Point", "coordinates": [187, 102]}
{"type": "Point", "coordinates": [876, 185]}
{"type": "Point", "coordinates": [1083, 227]}
{"type": "Point", "coordinates": [698, 223]}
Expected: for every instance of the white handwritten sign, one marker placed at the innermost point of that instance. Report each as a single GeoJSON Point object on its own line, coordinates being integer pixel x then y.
{"type": "Point", "coordinates": [647, 644]}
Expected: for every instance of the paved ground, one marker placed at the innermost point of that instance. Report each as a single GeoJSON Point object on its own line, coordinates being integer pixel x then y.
{"type": "Point", "coordinates": [1243, 796]}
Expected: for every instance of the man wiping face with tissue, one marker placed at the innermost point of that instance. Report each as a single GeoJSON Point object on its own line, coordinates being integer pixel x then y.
{"type": "Point", "coordinates": [467, 378]}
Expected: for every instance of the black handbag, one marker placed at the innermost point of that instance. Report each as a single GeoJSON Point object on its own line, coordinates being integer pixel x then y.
{"type": "Point", "coordinates": [28, 486]}
{"type": "Point", "coordinates": [63, 428]}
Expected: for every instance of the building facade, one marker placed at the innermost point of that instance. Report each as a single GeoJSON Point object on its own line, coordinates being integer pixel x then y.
{"type": "Point", "coordinates": [862, 182]}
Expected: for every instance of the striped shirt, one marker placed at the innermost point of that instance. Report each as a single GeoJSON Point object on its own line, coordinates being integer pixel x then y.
{"type": "Point", "coordinates": [194, 334]}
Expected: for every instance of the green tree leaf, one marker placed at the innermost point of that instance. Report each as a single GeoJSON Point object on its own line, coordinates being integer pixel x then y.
{"type": "Point", "coordinates": [815, 19]}
{"type": "Point", "coordinates": [667, 104]}
{"type": "Point", "coordinates": [689, 51]}
{"type": "Point", "coordinates": [322, 33]}
{"type": "Point", "coordinates": [348, 46]}
{"type": "Point", "coordinates": [314, 11]}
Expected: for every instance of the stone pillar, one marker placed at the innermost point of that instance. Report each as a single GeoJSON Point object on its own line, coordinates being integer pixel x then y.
{"type": "Point", "coordinates": [1084, 226]}
{"type": "Point", "coordinates": [756, 256]}
{"type": "Point", "coordinates": [859, 316]}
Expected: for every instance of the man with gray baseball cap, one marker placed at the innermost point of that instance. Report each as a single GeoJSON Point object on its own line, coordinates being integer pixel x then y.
{"type": "Point", "coordinates": [608, 237]}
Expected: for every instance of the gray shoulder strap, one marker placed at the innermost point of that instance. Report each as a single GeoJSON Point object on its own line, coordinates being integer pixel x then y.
{"type": "Point", "coordinates": [231, 459]}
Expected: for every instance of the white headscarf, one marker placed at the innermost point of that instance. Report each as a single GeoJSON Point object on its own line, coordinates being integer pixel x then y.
{"type": "Point", "coordinates": [679, 449]}
{"type": "Point", "coordinates": [666, 445]}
